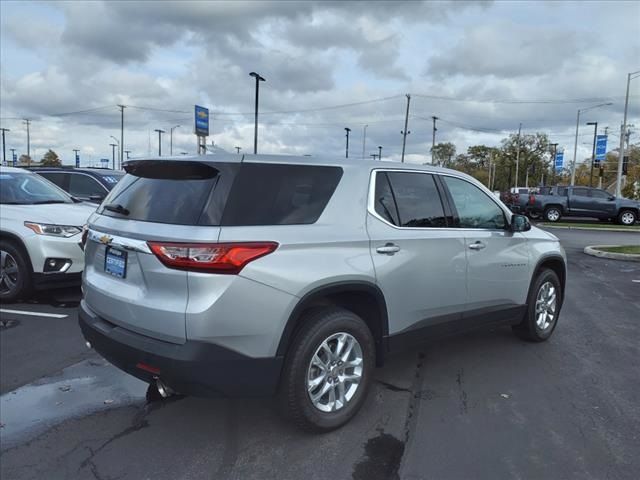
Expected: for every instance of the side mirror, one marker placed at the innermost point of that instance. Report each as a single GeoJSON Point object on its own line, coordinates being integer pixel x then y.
{"type": "Point", "coordinates": [611, 197]}
{"type": "Point", "coordinates": [520, 223]}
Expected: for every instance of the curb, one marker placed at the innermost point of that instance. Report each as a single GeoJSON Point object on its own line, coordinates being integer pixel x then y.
{"type": "Point", "coordinates": [593, 251]}
{"type": "Point", "coordinates": [621, 229]}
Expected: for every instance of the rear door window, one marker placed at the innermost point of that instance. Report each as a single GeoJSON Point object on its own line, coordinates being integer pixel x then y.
{"type": "Point", "coordinates": [81, 185]}
{"type": "Point", "coordinates": [279, 194]}
{"type": "Point", "coordinates": [475, 208]}
{"type": "Point", "coordinates": [417, 199]}
{"type": "Point", "coordinates": [581, 192]}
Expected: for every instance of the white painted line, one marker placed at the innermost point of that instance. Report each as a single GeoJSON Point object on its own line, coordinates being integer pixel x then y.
{"type": "Point", "coordinates": [635, 281]}
{"type": "Point", "coordinates": [33, 314]}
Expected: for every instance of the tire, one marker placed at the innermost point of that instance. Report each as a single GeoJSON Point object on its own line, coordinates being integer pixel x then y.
{"type": "Point", "coordinates": [327, 326]}
{"type": "Point", "coordinates": [15, 272]}
{"type": "Point", "coordinates": [627, 218]}
{"type": "Point", "coordinates": [552, 214]}
{"type": "Point", "coordinates": [534, 215]}
{"type": "Point", "coordinates": [535, 327]}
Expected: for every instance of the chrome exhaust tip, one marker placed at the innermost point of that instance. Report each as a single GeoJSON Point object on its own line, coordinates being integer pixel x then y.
{"type": "Point", "coordinates": [164, 390]}
{"type": "Point", "coordinates": [88, 344]}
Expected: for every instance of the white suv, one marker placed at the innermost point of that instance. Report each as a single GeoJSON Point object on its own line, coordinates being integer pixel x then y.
{"type": "Point", "coordinates": [40, 230]}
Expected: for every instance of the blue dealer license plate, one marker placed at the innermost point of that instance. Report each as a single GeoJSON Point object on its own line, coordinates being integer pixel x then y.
{"type": "Point", "coordinates": [115, 262]}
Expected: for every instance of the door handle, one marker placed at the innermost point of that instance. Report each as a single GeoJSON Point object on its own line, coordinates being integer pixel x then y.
{"type": "Point", "coordinates": [388, 249]}
{"type": "Point", "coordinates": [477, 245]}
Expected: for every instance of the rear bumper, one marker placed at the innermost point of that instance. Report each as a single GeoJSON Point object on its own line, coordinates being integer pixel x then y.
{"type": "Point", "coordinates": [192, 368]}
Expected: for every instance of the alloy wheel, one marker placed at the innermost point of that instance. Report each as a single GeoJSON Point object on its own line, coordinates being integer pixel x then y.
{"type": "Point", "coordinates": [627, 218]}
{"type": "Point", "coordinates": [546, 303]}
{"type": "Point", "coordinates": [8, 272]}
{"type": "Point", "coordinates": [335, 372]}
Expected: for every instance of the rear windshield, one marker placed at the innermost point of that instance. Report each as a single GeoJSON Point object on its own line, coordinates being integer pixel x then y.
{"type": "Point", "coordinates": [192, 193]}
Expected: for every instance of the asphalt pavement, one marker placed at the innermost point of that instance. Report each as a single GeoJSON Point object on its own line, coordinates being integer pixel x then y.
{"type": "Point", "coordinates": [484, 405]}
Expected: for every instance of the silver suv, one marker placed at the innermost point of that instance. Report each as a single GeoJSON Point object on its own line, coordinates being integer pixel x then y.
{"type": "Point", "coordinates": [254, 275]}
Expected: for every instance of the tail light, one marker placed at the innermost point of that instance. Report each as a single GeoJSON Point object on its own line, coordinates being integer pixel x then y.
{"type": "Point", "coordinates": [229, 258]}
{"type": "Point", "coordinates": [532, 199]}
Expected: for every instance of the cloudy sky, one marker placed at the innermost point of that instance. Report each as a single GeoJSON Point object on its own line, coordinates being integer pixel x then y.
{"type": "Point", "coordinates": [482, 67]}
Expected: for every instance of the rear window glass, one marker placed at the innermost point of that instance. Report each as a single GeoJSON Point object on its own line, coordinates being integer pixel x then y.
{"type": "Point", "coordinates": [192, 193]}
{"type": "Point", "coordinates": [279, 194]}
{"type": "Point", "coordinates": [162, 192]}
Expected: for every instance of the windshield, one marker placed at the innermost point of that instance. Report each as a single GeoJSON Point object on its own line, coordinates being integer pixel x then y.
{"type": "Point", "coordinates": [29, 189]}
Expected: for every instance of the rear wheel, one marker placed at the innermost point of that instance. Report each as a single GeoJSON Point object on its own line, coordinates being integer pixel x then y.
{"type": "Point", "coordinates": [627, 217]}
{"type": "Point", "coordinates": [543, 308]}
{"type": "Point", "coordinates": [15, 272]}
{"type": "Point", "coordinates": [552, 214]}
{"type": "Point", "coordinates": [328, 370]}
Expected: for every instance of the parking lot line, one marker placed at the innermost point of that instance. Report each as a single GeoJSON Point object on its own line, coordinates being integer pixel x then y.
{"type": "Point", "coordinates": [33, 314]}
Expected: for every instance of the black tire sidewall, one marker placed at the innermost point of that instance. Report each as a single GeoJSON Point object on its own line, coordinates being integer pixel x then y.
{"type": "Point", "coordinates": [320, 325]}
{"type": "Point", "coordinates": [24, 272]}
{"type": "Point", "coordinates": [530, 325]}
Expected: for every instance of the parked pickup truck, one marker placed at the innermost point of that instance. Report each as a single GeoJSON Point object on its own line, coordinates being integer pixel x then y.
{"type": "Point", "coordinates": [554, 202]}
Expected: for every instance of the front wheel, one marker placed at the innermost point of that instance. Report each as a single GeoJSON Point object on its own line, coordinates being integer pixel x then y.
{"type": "Point", "coordinates": [552, 214]}
{"type": "Point", "coordinates": [328, 370]}
{"type": "Point", "coordinates": [543, 308]}
{"type": "Point", "coordinates": [627, 217]}
{"type": "Point", "coordinates": [15, 273]}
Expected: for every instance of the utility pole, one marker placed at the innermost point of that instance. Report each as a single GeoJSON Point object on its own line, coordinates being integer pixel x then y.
{"type": "Point", "coordinates": [127, 152]}
{"type": "Point", "coordinates": [433, 139]}
{"type": "Point", "coordinates": [238, 150]}
{"type": "Point", "coordinates": [364, 139]}
{"type": "Point", "coordinates": [255, 128]}
{"type": "Point", "coordinates": [405, 132]}
{"type": "Point", "coordinates": [630, 76]}
{"type": "Point", "coordinates": [346, 154]}
{"type": "Point", "coordinates": [4, 153]}
{"type": "Point", "coordinates": [27, 122]}
{"type": "Point", "coordinates": [122, 107]}
{"type": "Point", "coordinates": [171, 139]}
{"type": "Point", "coordinates": [518, 154]}
{"type": "Point", "coordinates": [379, 152]}
{"type": "Point", "coordinates": [76, 157]}
{"type": "Point", "coordinates": [160, 132]}
{"type": "Point", "coordinates": [593, 150]}
{"type": "Point", "coordinates": [113, 155]}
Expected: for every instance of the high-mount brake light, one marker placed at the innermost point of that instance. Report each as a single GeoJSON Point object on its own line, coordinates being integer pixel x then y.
{"type": "Point", "coordinates": [229, 258]}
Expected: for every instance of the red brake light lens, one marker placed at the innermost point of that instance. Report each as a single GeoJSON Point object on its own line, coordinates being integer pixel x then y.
{"type": "Point", "coordinates": [229, 258]}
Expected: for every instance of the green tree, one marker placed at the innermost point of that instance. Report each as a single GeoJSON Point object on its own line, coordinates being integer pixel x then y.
{"type": "Point", "coordinates": [443, 153]}
{"type": "Point", "coordinates": [51, 159]}
{"type": "Point", "coordinates": [25, 160]}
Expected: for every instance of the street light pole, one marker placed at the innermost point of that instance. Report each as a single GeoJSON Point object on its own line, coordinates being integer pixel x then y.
{"type": "Point", "coordinates": [119, 157]}
{"type": "Point", "coordinates": [379, 152]}
{"type": "Point", "coordinates": [364, 140]}
{"type": "Point", "coordinates": [127, 152]}
{"type": "Point", "coordinates": [4, 153]}
{"type": "Point", "coordinates": [346, 154]}
{"type": "Point", "coordinates": [160, 132]}
{"type": "Point", "coordinates": [255, 128]}
{"type": "Point", "coordinates": [575, 143]}
{"type": "Point", "coordinates": [171, 139]}
{"type": "Point", "coordinates": [113, 155]}
{"type": "Point", "coordinates": [630, 76]}
{"type": "Point", "coordinates": [593, 150]}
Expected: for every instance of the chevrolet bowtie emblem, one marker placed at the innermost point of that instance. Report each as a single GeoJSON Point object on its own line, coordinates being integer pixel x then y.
{"type": "Point", "coordinates": [106, 239]}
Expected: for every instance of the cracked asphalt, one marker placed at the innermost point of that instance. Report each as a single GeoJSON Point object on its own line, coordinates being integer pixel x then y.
{"type": "Point", "coordinates": [483, 405]}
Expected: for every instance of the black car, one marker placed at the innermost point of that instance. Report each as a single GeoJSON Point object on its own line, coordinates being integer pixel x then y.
{"type": "Point", "coordinates": [88, 184]}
